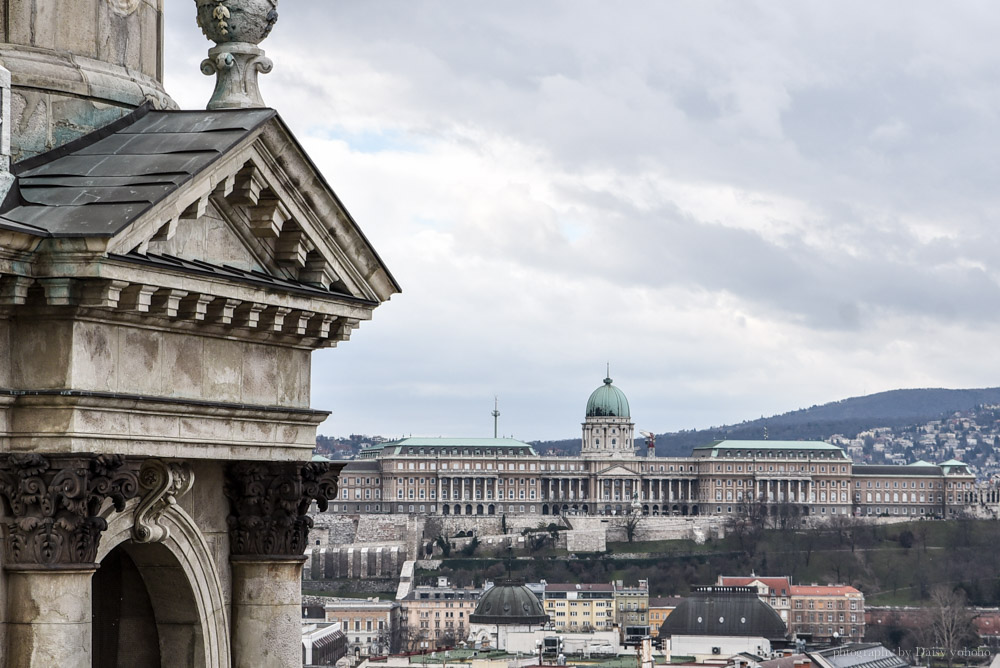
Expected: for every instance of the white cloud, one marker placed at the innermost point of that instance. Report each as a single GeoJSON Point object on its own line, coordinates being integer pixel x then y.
{"type": "Point", "coordinates": [747, 208]}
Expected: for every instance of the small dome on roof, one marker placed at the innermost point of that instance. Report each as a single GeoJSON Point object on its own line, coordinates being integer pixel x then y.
{"type": "Point", "coordinates": [509, 603]}
{"type": "Point", "coordinates": [607, 401]}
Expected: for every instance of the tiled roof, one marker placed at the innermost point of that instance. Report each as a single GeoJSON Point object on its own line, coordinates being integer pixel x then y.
{"type": "Point", "coordinates": [97, 185]}
{"type": "Point", "coordinates": [664, 601]}
{"type": "Point", "coordinates": [599, 586]}
{"type": "Point", "coordinates": [909, 471]}
{"type": "Point", "coordinates": [780, 585]}
{"type": "Point", "coordinates": [231, 273]}
{"type": "Point", "coordinates": [823, 590]}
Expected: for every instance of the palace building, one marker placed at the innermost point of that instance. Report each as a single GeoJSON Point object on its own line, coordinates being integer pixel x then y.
{"type": "Point", "coordinates": [495, 476]}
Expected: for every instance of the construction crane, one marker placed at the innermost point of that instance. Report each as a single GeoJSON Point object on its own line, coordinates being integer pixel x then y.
{"type": "Point", "coordinates": [650, 443]}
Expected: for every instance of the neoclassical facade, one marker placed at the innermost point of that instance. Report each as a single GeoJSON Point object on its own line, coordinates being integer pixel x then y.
{"type": "Point", "coordinates": [164, 278]}
{"type": "Point", "coordinates": [488, 476]}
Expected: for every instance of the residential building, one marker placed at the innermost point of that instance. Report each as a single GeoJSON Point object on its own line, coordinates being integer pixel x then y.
{"type": "Point", "coordinates": [372, 626]}
{"type": "Point", "coordinates": [580, 607]}
{"type": "Point", "coordinates": [436, 617]}
{"type": "Point", "coordinates": [660, 608]}
{"type": "Point", "coordinates": [820, 612]}
{"type": "Point", "coordinates": [632, 610]}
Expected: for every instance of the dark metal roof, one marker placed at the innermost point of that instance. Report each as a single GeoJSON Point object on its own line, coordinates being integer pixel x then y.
{"type": "Point", "coordinates": [233, 273]}
{"type": "Point", "coordinates": [901, 471]}
{"type": "Point", "coordinates": [859, 655]}
{"type": "Point", "coordinates": [509, 603]}
{"type": "Point", "coordinates": [724, 611]}
{"type": "Point", "coordinates": [97, 185]}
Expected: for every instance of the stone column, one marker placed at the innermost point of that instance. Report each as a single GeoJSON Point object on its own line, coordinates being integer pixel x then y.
{"type": "Point", "coordinates": [269, 530]}
{"type": "Point", "coordinates": [50, 550]}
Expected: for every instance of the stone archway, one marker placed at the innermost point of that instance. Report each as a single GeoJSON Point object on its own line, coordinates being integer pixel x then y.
{"type": "Point", "coordinates": [182, 583]}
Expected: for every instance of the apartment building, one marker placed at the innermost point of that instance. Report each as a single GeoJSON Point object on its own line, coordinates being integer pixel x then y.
{"type": "Point", "coordinates": [372, 626]}
{"type": "Point", "coordinates": [437, 617]}
{"type": "Point", "coordinates": [580, 607]}
{"type": "Point", "coordinates": [660, 608]}
{"type": "Point", "coordinates": [827, 612]}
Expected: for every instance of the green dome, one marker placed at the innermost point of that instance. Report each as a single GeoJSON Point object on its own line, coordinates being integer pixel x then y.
{"type": "Point", "coordinates": [607, 401]}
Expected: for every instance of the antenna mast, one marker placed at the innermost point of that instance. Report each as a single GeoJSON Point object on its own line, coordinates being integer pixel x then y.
{"type": "Point", "coordinates": [495, 414]}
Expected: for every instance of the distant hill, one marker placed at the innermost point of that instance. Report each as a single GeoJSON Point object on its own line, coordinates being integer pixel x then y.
{"type": "Point", "coordinates": [894, 408]}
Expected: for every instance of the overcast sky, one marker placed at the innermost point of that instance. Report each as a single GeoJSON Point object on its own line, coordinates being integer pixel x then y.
{"type": "Point", "coordinates": [746, 208]}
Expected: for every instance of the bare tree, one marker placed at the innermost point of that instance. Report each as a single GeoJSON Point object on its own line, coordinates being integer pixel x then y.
{"type": "Point", "coordinates": [631, 525]}
{"type": "Point", "coordinates": [949, 622]}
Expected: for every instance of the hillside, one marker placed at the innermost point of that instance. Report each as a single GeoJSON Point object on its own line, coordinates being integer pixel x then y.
{"type": "Point", "coordinates": [894, 408]}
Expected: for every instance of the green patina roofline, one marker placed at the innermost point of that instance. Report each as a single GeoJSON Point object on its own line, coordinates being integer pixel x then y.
{"type": "Point", "coordinates": [450, 443]}
{"type": "Point", "coordinates": [800, 446]}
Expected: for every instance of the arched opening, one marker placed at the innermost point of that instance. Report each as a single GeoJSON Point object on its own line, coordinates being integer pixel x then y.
{"type": "Point", "coordinates": [468, 509]}
{"type": "Point", "coordinates": [545, 509]}
{"type": "Point", "coordinates": [555, 510]}
{"type": "Point", "coordinates": [144, 610]}
{"type": "Point", "coordinates": [479, 509]}
{"type": "Point", "coordinates": [446, 509]}
{"type": "Point", "coordinates": [586, 508]}
{"type": "Point", "coordinates": [492, 510]}
{"type": "Point", "coordinates": [458, 509]}
{"type": "Point", "coordinates": [694, 510]}
{"type": "Point", "coordinates": [684, 510]}
{"type": "Point", "coordinates": [645, 510]}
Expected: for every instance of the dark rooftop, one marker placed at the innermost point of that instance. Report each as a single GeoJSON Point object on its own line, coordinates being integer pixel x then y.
{"type": "Point", "coordinates": [724, 611]}
{"type": "Point", "coordinates": [97, 185]}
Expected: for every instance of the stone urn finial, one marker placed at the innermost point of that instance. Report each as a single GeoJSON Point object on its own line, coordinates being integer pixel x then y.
{"type": "Point", "coordinates": [236, 27]}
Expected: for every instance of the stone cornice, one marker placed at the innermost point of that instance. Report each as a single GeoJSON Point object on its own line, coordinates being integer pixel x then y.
{"type": "Point", "coordinates": [66, 421]}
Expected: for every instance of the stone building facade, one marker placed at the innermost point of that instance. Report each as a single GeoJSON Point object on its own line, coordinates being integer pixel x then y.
{"type": "Point", "coordinates": [373, 627]}
{"type": "Point", "coordinates": [490, 476]}
{"type": "Point", "coordinates": [164, 278]}
{"type": "Point", "coordinates": [823, 611]}
{"type": "Point", "coordinates": [580, 607]}
{"type": "Point", "coordinates": [437, 617]}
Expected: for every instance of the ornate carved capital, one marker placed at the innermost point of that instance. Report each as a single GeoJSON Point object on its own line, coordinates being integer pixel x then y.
{"type": "Point", "coordinates": [269, 504]}
{"type": "Point", "coordinates": [162, 484]}
{"type": "Point", "coordinates": [54, 505]}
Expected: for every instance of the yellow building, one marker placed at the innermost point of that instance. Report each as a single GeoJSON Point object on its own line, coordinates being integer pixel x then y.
{"type": "Point", "coordinates": [580, 607]}
{"type": "Point", "coordinates": [660, 608]}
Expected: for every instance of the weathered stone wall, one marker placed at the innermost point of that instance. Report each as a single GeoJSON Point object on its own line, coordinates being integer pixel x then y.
{"type": "Point", "coordinates": [111, 357]}
{"type": "Point", "coordinates": [354, 561]}
{"type": "Point", "coordinates": [330, 529]}
{"type": "Point", "coordinates": [208, 507]}
{"type": "Point", "coordinates": [5, 361]}
{"type": "Point", "coordinates": [87, 63]}
{"type": "Point", "coordinates": [380, 529]}
{"type": "Point", "coordinates": [372, 586]}
{"type": "Point", "coordinates": [583, 541]}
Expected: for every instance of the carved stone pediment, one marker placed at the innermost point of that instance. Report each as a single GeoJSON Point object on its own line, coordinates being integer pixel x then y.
{"type": "Point", "coordinates": [617, 471]}
{"type": "Point", "coordinates": [214, 218]}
